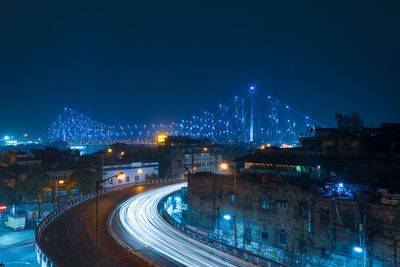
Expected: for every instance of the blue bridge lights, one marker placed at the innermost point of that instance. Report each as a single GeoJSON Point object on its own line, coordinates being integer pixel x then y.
{"type": "Point", "coordinates": [247, 118]}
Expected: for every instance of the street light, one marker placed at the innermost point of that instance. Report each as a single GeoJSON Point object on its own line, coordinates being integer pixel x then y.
{"type": "Point", "coordinates": [109, 150]}
{"type": "Point", "coordinates": [139, 171]}
{"type": "Point", "coordinates": [227, 217]}
{"type": "Point", "coordinates": [119, 176]}
{"type": "Point", "coordinates": [224, 166]}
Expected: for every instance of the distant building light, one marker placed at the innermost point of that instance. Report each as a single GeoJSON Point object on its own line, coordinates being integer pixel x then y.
{"type": "Point", "coordinates": [6, 137]}
{"type": "Point", "coordinates": [340, 184]}
{"type": "Point", "coordinates": [161, 138]}
{"type": "Point", "coordinates": [177, 198]}
{"type": "Point", "coordinates": [77, 147]}
{"type": "Point", "coordinates": [252, 87]}
{"type": "Point", "coordinates": [358, 249]}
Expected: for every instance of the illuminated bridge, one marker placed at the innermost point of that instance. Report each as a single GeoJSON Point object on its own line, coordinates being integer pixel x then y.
{"type": "Point", "coordinates": [246, 119]}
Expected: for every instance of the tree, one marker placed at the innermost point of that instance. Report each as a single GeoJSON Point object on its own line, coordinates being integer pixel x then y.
{"type": "Point", "coordinates": [85, 180]}
{"type": "Point", "coordinates": [32, 186]}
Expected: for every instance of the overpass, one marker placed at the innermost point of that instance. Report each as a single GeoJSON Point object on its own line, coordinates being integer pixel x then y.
{"type": "Point", "coordinates": [67, 236]}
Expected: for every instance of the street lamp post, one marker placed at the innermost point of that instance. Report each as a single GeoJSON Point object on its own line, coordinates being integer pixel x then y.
{"type": "Point", "coordinates": [109, 150]}
{"type": "Point", "coordinates": [225, 167]}
{"type": "Point", "coordinates": [119, 176]}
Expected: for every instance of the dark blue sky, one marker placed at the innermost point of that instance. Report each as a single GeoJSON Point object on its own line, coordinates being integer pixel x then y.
{"type": "Point", "coordinates": [165, 60]}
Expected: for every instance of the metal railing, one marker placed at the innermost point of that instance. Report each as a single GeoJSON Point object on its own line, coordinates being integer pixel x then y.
{"type": "Point", "coordinates": [237, 252]}
{"type": "Point", "coordinates": [41, 257]}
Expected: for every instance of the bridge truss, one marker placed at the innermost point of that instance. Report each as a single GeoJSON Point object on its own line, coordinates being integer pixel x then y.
{"type": "Point", "coordinates": [250, 118]}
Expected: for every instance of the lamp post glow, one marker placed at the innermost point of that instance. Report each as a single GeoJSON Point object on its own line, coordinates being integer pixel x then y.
{"type": "Point", "coordinates": [224, 166]}
{"type": "Point", "coordinates": [227, 217]}
{"type": "Point", "coordinates": [358, 249]}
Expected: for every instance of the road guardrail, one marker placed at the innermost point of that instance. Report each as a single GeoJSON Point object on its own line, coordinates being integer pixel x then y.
{"type": "Point", "coordinates": [232, 250]}
{"type": "Point", "coordinates": [41, 257]}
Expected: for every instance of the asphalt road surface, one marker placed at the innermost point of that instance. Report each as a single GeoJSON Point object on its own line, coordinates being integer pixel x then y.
{"type": "Point", "coordinates": [70, 239]}
{"type": "Point", "coordinates": [137, 223]}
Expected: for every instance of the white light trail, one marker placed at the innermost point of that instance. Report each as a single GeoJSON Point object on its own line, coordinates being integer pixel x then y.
{"type": "Point", "coordinates": [139, 217]}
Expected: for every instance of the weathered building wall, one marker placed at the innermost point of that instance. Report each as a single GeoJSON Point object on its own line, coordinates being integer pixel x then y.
{"type": "Point", "coordinates": [306, 227]}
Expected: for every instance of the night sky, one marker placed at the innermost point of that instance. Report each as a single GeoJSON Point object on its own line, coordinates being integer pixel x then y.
{"type": "Point", "coordinates": [145, 61]}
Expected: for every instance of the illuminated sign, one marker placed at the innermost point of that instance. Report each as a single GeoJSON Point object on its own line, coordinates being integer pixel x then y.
{"type": "Point", "coordinates": [161, 138]}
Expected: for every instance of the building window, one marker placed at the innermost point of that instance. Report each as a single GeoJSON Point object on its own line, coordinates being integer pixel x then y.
{"type": "Point", "coordinates": [61, 193]}
{"type": "Point", "coordinates": [302, 245]}
{"type": "Point", "coordinates": [136, 178]}
{"type": "Point", "coordinates": [248, 230]}
{"type": "Point", "coordinates": [264, 236]}
{"type": "Point", "coordinates": [303, 211]}
{"type": "Point", "coordinates": [232, 198]}
{"type": "Point", "coordinates": [348, 219]}
{"type": "Point", "coordinates": [48, 194]}
{"type": "Point", "coordinates": [74, 191]}
{"type": "Point", "coordinates": [323, 214]}
{"type": "Point", "coordinates": [265, 204]}
{"type": "Point", "coordinates": [249, 202]}
{"type": "Point", "coordinates": [282, 238]}
{"type": "Point", "coordinates": [218, 193]}
{"type": "Point", "coordinates": [127, 179]}
{"type": "Point", "coordinates": [282, 204]}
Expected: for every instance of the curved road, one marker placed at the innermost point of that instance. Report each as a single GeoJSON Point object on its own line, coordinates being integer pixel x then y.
{"type": "Point", "coordinates": [70, 239]}
{"type": "Point", "coordinates": [137, 224]}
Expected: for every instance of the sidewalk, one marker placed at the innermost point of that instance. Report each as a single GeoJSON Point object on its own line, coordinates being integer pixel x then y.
{"type": "Point", "coordinates": [15, 238]}
{"type": "Point", "coordinates": [17, 248]}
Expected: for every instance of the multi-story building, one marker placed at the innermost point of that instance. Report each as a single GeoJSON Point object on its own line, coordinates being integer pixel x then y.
{"type": "Point", "coordinates": [134, 172]}
{"type": "Point", "coordinates": [332, 202]}
{"type": "Point", "coordinates": [190, 155]}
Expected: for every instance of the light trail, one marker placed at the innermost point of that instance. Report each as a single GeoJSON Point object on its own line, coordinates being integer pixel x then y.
{"type": "Point", "coordinates": [142, 228]}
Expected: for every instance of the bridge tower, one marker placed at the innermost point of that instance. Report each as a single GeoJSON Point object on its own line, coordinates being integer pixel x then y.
{"type": "Point", "coordinates": [252, 91]}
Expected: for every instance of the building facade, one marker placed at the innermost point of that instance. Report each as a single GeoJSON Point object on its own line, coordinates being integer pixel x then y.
{"type": "Point", "coordinates": [294, 224]}
{"type": "Point", "coordinates": [134, 172]}
{"type": "Point", "coordinates": [186, 155]}
{"type": "Point", "coordinates": [332, 202]}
